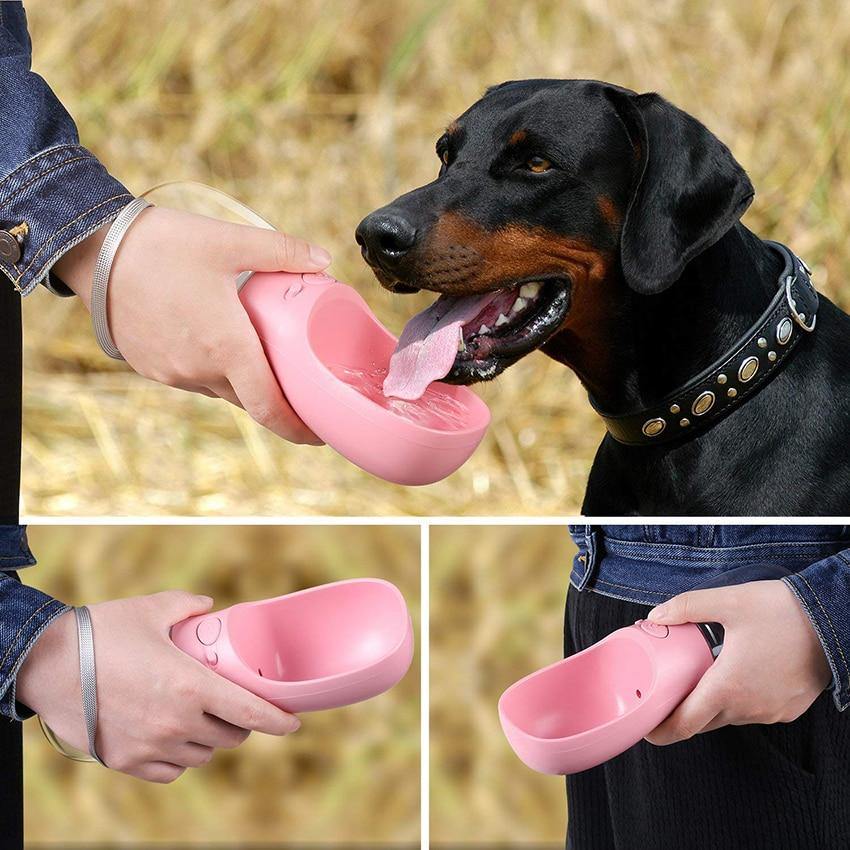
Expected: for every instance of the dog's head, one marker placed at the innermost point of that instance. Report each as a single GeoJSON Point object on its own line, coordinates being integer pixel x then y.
{"type": "Point", "coordinates": [554, 198]}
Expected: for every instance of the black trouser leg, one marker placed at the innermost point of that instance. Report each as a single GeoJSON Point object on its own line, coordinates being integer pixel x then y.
{"type": "Point", "coordinates": [785, 786]}
{"type": "Point", "coordinates": [10, 402]}
{"type": "Point", "coordinates": [11, 786]}
{"type": "Point", "coordinates": [11, 762]}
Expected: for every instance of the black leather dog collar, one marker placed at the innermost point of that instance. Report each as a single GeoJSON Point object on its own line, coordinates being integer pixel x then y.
{"type": "Point", "coordinates": [750, 364]}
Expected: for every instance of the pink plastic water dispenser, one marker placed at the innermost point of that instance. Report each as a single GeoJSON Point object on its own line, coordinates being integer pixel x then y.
{"type": "Point", "coordinates": [330, 354]}
{"type": "Point", "coordinates": [319, 648]}
{"type": "Point", "coordinates": [586, 709]}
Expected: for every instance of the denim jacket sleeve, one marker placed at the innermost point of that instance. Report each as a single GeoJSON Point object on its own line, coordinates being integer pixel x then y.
{"type": "Point", "coordinates": [53, 192]}
{"type": "Point", "coordinates": [823, 589]}
{"type": "Point", "coordinates": [24, 614]}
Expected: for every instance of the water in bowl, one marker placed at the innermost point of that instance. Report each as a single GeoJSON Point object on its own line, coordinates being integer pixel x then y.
{"type": "Point", "coordinates": [437, 408]}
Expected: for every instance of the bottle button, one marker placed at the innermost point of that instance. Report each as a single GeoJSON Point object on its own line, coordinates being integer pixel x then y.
{"type": "Point", "coordinates": [654, 629]}
{"type": "Point", "coordinates": [211, 658]}
{"type": "Point", "coordinates": [208, 630]}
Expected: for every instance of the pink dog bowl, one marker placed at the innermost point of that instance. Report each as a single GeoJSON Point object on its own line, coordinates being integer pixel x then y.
{"type": "Point", "coordinates": [330, 355]}
{"type": "Point", "coordinates": [319, 648]}
{"type": "Point", "coordinates": [588, 708]}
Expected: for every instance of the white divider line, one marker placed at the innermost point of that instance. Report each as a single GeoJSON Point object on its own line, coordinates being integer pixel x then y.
{"type": "Point", "coordinates": [425, 682]}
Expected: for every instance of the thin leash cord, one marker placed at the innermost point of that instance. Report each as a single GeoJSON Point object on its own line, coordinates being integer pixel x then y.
{"type": "Point", "coordinates": [231, 204]}
{"type": "Point", "coordinates": [227, 201]}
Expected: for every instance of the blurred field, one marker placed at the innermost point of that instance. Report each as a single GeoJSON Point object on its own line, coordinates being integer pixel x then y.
{"type": "Point", "coordinates": [316, 112]}
{"type": "Point", "coordinates": [348, 776]}
{"type": "Point", "coordinates": [497, 611]}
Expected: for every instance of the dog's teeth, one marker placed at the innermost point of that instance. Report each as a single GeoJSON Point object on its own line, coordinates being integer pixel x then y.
{"type": "Point", "coordinates": [519, 304]}
{"type": "Point", "coordinates": [483, 329]}
{"type": "Point", "coordinates": [461, 345]}
{"type": "Point", "coordinates": [529, 290]}
{"type": "Point", "coordinates": [502, 320]}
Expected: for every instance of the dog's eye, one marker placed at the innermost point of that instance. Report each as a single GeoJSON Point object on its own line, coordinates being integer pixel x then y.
{"type": "Point", "coordinates": [538, 164]}
{"type": "Point", "coordinates": [444, 156]}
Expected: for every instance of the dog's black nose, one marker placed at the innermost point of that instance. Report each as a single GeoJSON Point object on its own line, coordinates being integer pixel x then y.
{"type": "Point", "coordinates": [384, 238]}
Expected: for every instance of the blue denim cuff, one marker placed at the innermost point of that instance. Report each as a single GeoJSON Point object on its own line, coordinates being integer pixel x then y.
{"type": "Point", "coordinates": [823, 590]}
{"type": "Point", "coordinates": [57, 197]}
{"type": "Point", "coordinates": [15, 550]}
{"type": "Point", "coordinates": [24, 614]}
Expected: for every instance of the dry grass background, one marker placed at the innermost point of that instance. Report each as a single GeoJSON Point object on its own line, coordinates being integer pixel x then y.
{"type": "Point", "coordinates": [497, 610]}
{"type": "Point", "coordinates": [311, 787]}
{"type": "Point", "coordinates": [316, 112]}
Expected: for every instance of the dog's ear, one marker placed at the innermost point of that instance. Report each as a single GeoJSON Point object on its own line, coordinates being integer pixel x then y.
{"type": "Point", "coordinates": [688, 191]}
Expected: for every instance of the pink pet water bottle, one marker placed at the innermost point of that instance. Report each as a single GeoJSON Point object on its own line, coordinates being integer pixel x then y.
{"type": "Point", "coordinates": [319, 648]}
{"type": "Point", "coordinates": [588, 708]}
{"type": "Point", "coordinates": [330, 355]}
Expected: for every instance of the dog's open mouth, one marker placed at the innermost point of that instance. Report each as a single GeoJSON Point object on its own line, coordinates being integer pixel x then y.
{"type": "Point", "coordinates": [464, 339]}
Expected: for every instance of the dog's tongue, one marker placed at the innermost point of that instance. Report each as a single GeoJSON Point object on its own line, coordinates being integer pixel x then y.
{"type": "Point", "coordinates": [428, 344]}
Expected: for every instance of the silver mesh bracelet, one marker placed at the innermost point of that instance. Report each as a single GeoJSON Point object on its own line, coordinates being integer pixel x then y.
{"type": "Point", "coordinates": [102, 269]}
{"type": "Point", "coordinates": [88, 677]}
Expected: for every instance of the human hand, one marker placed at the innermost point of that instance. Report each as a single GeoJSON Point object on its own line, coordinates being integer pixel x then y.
{"type": "Point", "coordinates": [771, 669]}
{"type": "Point", "coordinates": [174, 311]}
{"type": "Point", "coordinates": [159, 711]}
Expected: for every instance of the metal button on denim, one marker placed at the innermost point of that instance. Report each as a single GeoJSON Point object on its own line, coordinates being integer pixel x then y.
{"type": "Point", "coordinates": [10, 250]}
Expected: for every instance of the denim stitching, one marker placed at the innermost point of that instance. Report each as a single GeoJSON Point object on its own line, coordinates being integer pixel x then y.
{"type": "Point", "coordinates": [39, 155]}
{"type": "Point", "coordinates": [687, 554]}
{"type": "Point", "coordinates": [44, 271]}
{"type": "Point", "coordinates": [632, 544]}
{"type": "Point", "coordinates": [21, 629]}
{"type": "Point", "coordinates": [65, 227]}
{"type": "Point", "coordinates": [621, 598]}
{"type": "Point", "coordinates": [624, 586]}
{"type": "Point", "coordinates": [13, 673]}
{"type": "Point", "coordinates": [39, 176]}
{"type": "Point", "coordinates": [74, 221]}
{"type": "Point", "coordinates": [842, 704]}
{"type": "Point", "coordinates": [831, 626]}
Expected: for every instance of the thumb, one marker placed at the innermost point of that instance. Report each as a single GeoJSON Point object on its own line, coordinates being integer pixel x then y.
{"type": "Point", "coordinates": [259, 250]}
{"type": "Point", "coordinates": [171, 606]}
{"type": "Point", "coordinates": [695, 606]}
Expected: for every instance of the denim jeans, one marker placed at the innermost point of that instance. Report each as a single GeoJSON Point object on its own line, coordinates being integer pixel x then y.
{"type": "Point", "coordinates": [51, 188]}
{"type": "Point", "coordinates": [24, 614]}
{"type": "Point", "coordinates": [648, 564]}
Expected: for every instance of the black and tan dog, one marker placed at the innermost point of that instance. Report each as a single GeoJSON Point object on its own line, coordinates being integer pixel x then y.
{"type": "Point", "coordinates": [607, 225]}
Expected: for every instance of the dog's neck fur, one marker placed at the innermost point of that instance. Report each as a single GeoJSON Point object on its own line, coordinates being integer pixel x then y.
{"type": "Point", "coordinates": [655, 343]}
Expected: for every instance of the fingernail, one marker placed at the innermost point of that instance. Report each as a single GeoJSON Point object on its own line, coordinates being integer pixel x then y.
{"type": "Point", "coordinates": [205, 600]}
{"type": "Point", "coordinates": [320, 256]}
{"type": "Point", "coordinates": [657, 613]}
{"type": "Point", "coordinates": [296, 725]}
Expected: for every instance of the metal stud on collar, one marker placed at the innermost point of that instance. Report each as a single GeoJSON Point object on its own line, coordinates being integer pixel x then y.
{"type": "Point", "coordinates": [750, 362]}
{"type": "Point", "coordinates": [748, 369]}
{"type": "Point", "coordinates": [653, 427]}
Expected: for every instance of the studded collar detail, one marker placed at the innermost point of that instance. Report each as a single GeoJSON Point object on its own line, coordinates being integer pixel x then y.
{"type": "Point", "coordinates": [747, 366]}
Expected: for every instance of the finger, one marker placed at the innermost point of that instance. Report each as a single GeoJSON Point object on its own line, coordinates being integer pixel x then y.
{"type": "Point", "coordinates": [695, 606]}
{"type": "Point", "coordinates": [158, 771]}
{"type": "Point", "coordinates": [241, 708]}
{"type": "Point", "coordinates": [258, 391]}
{"type": "Point", "coordinates": [172, 606]}
{"type": "Point", "coordinates": [693, 714]}
{"type": "Point", "coordinates": [214, 732]}
{"type": "Point", "coordinates": [191, 754]}
{"type": "Point", "coordinates": [224, 389]}
{"type": "Point", "coordinates": [721, 720]}
{"type": "Point", "coordinates": [260, 250]}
